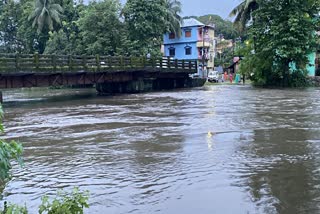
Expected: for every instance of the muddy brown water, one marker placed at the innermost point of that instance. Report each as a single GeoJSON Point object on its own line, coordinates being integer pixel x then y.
{"type": "Point", "coordinates": [216, 149]}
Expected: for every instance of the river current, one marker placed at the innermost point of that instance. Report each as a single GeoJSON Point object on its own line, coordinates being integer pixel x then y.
{"type": "Point", "coordinates": [216, 149]}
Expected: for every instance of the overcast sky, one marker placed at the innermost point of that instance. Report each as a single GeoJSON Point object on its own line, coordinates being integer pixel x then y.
{"type": "Point", "coordinates": [203, 7]}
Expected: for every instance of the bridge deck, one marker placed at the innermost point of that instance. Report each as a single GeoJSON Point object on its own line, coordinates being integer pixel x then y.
{"type": "Point", "coordinates": [17, 70]}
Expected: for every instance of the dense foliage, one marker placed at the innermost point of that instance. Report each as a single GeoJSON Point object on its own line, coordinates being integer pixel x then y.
{"type": "Point", "coordinates": [101, 27]}
{"type": "Point", "coordinates": [281, 37]}
{"type": "Point", "coordinates": [65, 203]}
{"type": "Point", "coordinates": [8, 152]}
{"type": "Point", "coordinates": [243, 13]}
{"type": "Point", "coordinates": [224, 57]}
{"type": "Point", "coordinates": [14, 209]}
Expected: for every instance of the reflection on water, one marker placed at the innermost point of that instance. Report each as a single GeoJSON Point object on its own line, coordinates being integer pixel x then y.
{"type": "Point", "coordinates": [219, 149]}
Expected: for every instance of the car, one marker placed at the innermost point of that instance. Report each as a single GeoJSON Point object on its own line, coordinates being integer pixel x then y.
{"type": "Point", "coordinates": [194, 76]}
{"type": "Point", "coordinates": [213, 76]}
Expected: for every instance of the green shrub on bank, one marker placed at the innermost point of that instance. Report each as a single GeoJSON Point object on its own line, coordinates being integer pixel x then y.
{"type": "Point", "coordinates": [65, 203]}
{"type": "Point", "coordinates": [14, 209]}
{"type": "Point", "coordinates": [8, 152]}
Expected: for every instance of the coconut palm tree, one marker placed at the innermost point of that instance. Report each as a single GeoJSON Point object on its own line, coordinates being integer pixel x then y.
{"type": "Point", "coordinates": [45, 14]}
{"type": "Point", "coordinates": [174, 18]}
{"type": "Point", "coordinates": [243, 13]}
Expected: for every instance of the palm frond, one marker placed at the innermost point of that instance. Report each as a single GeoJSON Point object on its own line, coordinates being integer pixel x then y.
{"type": "Point", "coordinates": [237, 9]}
{"type": "Point", "coordinates": [38, 4]}
{"type": "Point", "coordinates": [56, 7]}
{"type": "Point", "coordinates": [173, 8]}
{"type": "Point", "coordinates": [45, 13]}
{"type": "Point", "coordinates": [242, 13]}
{"type": "Point", "coordinates": [34, 14]}
{"type": "Point", "coordinates": [49, 22]}
{"type": "Point", "coordinates": [34, 23]}
{"type": "Point", "coordinates": [55, 15]}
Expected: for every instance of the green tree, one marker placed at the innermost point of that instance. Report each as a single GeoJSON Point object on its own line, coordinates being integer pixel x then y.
{"type": "Point", "coordinates": [30, 40]}
{"type": "Point", "coordinates": [174, 18]}
{"type": "Point", "coordinates": [45, 15]}
{"type": "Point", "coordinates": [67, 40]}
{"type": "Point", "coordinates": [283, 35]}
{"type": "Point", "coordinates": [100, 28]}
{"type": "Point", "coordinates": [146, 22]}
{"type": "Point", "coordinates": [243, 13]}
{"type": "Point", "coordinates": [9, 19]}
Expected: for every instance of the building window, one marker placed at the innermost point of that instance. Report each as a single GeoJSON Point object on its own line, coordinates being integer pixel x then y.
{"type": "Point", "coordinates": [188, 50]}
{"type": "Point", "coordinates": [172, 52]}
{"type": "Point", "coordinates": [188, 33]}
{"type": "Point", "coordinates": [172, 36]}
{"type": "Point", "coordinates": [200, 33]}
{"type": "Point", "coordinates": [200, 52]}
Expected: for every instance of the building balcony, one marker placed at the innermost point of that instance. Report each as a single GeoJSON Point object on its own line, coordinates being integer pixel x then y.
{"type": "Point", "coordinates": [201, 44]}
{"type": "Point", "coordinates": [205, 57]}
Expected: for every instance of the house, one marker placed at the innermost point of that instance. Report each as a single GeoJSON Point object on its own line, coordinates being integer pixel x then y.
{"type": "Point", "coordinates": [313, 58]}
{"type": "Point", "coordinates": [314, 64]}
{"type": "Point", "coordinates": [196, 42]}
{"type": "Point", "coordinates": [311, 67]}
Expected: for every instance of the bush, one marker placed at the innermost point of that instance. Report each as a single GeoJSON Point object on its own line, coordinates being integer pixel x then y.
{"type": "Point", "coordinates": [14, 209]}
{"type": "Point", "coordinates": [65, 203]}
{"type": "Point", "coordinates": [8, 152]}
{"type": "Point", "coordinates": [298, 79]}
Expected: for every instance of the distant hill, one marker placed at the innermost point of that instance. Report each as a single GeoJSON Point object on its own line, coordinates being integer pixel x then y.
{"type": "Point", "coordinates": [223, 27]}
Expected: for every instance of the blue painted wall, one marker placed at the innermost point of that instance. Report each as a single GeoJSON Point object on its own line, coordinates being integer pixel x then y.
{"type": "Point", "coordinates": [180, 50]}
{"type": "Point", "coordinates": [311, 68]}
{"type": "Point", "coordinates": [182, 39]}
{"type": "Point", "coordinates": [181, 43]}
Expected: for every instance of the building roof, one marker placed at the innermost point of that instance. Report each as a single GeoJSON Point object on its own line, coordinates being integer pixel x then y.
{"type": "Point", "coordinates": [191, 23]}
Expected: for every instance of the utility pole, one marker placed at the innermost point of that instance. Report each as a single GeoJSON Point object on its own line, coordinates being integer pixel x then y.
{"type": "Point", "coordinates": [203, 57]}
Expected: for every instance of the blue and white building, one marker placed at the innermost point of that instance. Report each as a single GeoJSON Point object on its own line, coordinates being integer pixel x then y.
{"type": "Point", "coordinates": [196, 42]}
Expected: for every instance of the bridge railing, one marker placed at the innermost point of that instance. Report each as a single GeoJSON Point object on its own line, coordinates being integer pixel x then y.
{"type": "Point", "coordinates": [97, 63]}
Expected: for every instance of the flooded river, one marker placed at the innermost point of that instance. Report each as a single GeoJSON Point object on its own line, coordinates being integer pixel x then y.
{"type": "Point", "coordinates": [217, 149]}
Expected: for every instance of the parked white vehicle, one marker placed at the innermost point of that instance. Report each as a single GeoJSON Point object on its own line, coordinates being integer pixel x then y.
{"type": "Point", "coordinates": [213, 76]}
